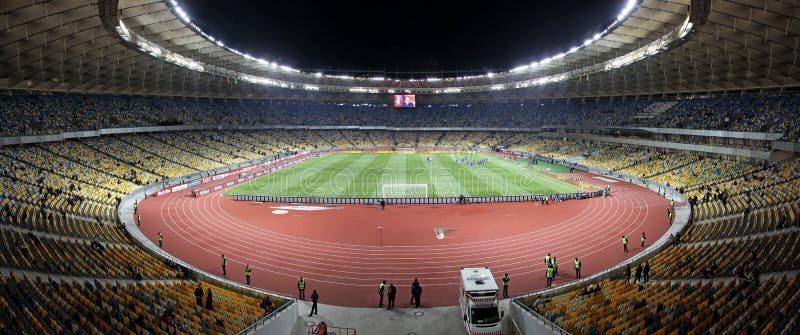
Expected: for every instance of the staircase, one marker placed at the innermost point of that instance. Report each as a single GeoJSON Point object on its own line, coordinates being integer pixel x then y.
{"type": "Point", "coordinates": [654, 110]}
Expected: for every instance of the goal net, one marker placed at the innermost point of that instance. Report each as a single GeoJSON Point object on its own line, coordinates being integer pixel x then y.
{"type": "Point", "coordinates": [404, 190]}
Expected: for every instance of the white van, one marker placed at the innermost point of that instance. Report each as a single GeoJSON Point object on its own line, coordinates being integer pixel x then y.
{"type": "Point", "coordinates": [479, 302]}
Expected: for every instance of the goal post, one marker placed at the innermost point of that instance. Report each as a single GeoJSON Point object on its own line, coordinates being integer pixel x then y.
{"type": "Point", "coordinates": [404, 190]}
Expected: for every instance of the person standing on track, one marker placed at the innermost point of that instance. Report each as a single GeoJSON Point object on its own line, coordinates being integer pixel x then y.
{"type": "Point", "coordinates": [547, 260]}
{"type": "Point", "coordinates": [138, 220]}
{"type": "Point", "coordinates": [555, 267]}
{"type": "Point", "coordinates": [301, 288]}
{"type": "Point", "coordinates": [624, 244]}
{"type": "Point", "coordinates": [577, 268]}
{"type": "Point", "coordinates": [549, 274]}
{"type": "Point", "coordinates": [505, 285]}
{"type": "Point", "coordinates": [381, 289]}
{"type": "Point", "coordinates": [644, 238]}
{"type": "Point", "coordinates": [247, 272]}
{"type": "Point", "coordinates": [383, 204]}
{"type": "Point", "coordinates": [392, 294]}
{"type": "Point", "coordinates": [224, 263]}
{"type": "Point", "coordinates": [160, 240]}
{"type": "Point", "coordinates": [670, 216]}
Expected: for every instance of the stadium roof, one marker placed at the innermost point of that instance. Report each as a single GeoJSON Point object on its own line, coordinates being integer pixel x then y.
{"type": "Point", "coordinates": [151, 47]}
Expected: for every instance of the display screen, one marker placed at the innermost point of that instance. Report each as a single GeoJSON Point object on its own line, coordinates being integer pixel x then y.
{"type": "Point", "coordinates": [405, 100]}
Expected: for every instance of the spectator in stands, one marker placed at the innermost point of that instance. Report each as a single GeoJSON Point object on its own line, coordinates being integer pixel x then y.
{"type": "Point", "coordinates": [646, 271]}
{"type": "Point", "coordinates": [198, 295]}
{"type": "Point", "coordinates": [209, 300]}
{"type": "Point", "coordinates": [627, 273]}
{"type": "Point", "coordinates": [638, 274]}
{"type": "Point", "coordinates": [266, 304]}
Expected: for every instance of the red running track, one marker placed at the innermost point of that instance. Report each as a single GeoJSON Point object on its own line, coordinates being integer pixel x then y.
{"type": "Point", "coordinates": [338, 250]}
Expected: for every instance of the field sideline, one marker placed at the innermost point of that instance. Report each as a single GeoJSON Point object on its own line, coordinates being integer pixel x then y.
{"type": "Point", "coordinates": [382, 175]}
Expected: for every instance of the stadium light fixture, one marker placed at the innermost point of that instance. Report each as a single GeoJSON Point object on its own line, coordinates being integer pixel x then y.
{"type": "Point", "coordinates": [377, 78]}
{"type": "Point", "coordinates": [182, 14]}
{"type": "Point", "coordinates": [318, 74]}
{"type": "Point", "coordinates": [497, 87]}
{"type": "Point", "coordinates": [434, 79]}
{"type": "Point", "coordinates": [626, 10]}
{"type": "Point", "coordinates": [520, 68]}
{"type": "Point", "coordinates": [490, 74]}
{"type": "Point", "coordinates": [587, 42]}
{"type": "Point", "coordinates": [311, 87]}
{"type": "Point", "coordinates": [573, 49]}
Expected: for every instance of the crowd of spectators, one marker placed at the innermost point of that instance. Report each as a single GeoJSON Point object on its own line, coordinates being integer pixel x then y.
{"type": "Point", "coordinates": [35, 114]}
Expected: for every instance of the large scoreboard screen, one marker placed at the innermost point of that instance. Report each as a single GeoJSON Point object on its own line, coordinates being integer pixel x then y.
{"type": "Point", "coordinates": [405, 100]}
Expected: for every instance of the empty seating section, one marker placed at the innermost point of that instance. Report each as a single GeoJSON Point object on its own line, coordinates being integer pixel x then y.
{"type": "Point", "coordinates": [135, 156]}
{"type": "Point", "coordinates": [55, 306]}
{"type": "Point", "coordinates": [773, 253]}
{"type": "Point", "coordinates": [153, 146]}
{"type": "Point", "coordinates": [78, 257]}
{"type": "Point", "coordinates": [722, 307]}
{"type": "Point", "coordinates": [702, 172]}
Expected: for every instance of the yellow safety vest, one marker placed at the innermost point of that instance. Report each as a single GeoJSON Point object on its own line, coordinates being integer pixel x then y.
{"type": "Point", "coordinates": [624, 240]}
{"type": "Point", "coordinates": [247, 271]}
{"type": "Point", "coordinates": [550, 272]}
{"type": "Point", "coordinates": [224, 260]}
{"type": "Point", "coordinates": [381, 288]}
{"type": "Point", "coordinates": [577, 264]}
{"type": "Point", "coordinates": [301, 284]}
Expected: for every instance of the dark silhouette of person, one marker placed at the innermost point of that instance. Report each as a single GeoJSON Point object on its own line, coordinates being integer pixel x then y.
{"type": "Point", "coordinates": [198, 295]}
{"type": "Point", "coordinates": [209, 300]}
{"type": "Point", "coordinates": [314, 298]}
{"type": "Point", "coordinates": [416, 292]}
{"type": "Point", "coordinates": [392, 294]}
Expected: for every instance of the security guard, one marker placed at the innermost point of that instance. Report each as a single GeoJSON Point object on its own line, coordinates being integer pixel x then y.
{"type": "Point", "coordinates": [550, 274]}
{"type": "Point", "coordinates": [160, 240]}
{"type": "Point", "coordinates": [577, 268]}
{"type": "Point", "coordinates": [555, 267]}
{"type": "Point", "coordinates": [247, 272]}
{"type": "Point", "coordinates": [138, 220]}
{"type": "Point", "coordinates": [624, 243]}
{"type": "Point", "coordinates": [224, 263]}
{"type": "Point", "coordinates": [644, 237]}
{"type": "Point", "coordinates": [547, 260]}
{"type": "Point", "coordinates": [381, 289]}
{"type": "Point", "coordinates": [301, 288]}
{"type": "Point", "coordinates": [505, 285]}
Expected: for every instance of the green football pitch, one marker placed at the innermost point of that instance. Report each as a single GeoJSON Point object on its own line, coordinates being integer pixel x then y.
{"type": "Point", "coordinates": [402, 175]}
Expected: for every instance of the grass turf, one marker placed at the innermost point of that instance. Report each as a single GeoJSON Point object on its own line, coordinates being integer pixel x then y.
{"type": "Point", "coordinates": [364, 176]}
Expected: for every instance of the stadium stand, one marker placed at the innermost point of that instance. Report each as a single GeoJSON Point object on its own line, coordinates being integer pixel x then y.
{"type": "Point", "coordinates": [26, 114]}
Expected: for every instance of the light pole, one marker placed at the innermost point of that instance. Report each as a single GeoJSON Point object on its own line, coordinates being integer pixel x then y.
{"type": "Point", "coordinates": [380, 234]}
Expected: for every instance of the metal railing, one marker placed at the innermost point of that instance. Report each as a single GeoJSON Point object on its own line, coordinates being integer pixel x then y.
{"type": "Point", "coordinates": [414, 201]}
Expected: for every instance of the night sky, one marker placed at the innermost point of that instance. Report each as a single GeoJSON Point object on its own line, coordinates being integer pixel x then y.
{"type": "Point", "coordinates": [398, 36]}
